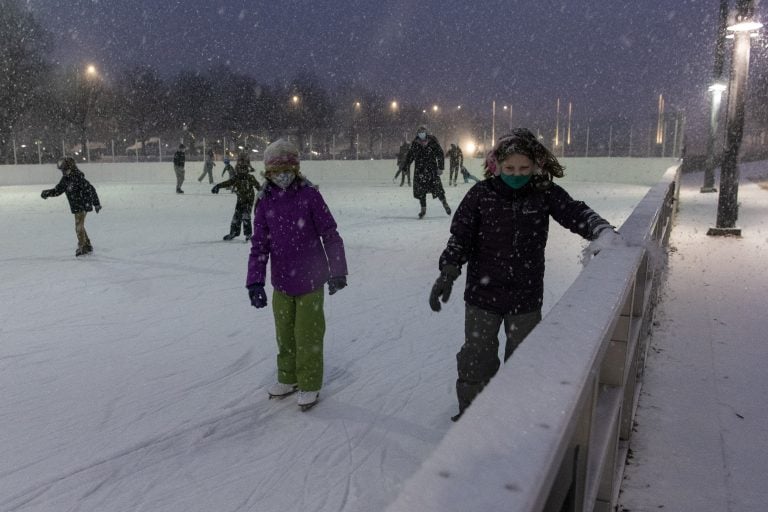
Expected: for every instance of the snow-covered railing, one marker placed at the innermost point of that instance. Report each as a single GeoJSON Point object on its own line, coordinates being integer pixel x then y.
{"type": "Point", "coordinates": [551, 429]}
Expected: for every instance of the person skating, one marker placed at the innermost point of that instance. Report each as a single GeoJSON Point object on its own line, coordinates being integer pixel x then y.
{"type": "Point", "coordinates": [208, 166]}
{"type": "Point", "coordinates": [179, 159]}
{"type": "Point", "coordinates": [228, 169]}
{"type": "Point", "coordinates": [82, 198]}
{"type": "Point", "coordinates": [245, 186]}
{"type": "Point", "coordinates": [456, 161]}
{"type": "Point", "coordinates": [295, 229]}
{"type": "Point", "coordinates": [500, 231]}
{"type": "Point", "coordinates": [467, 176]}
{"type": "Point", "coordinates": [429, 162]}
{"type": "Point", "coordinates": [402, 171]}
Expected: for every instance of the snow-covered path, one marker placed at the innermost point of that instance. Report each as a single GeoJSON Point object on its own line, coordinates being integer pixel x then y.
{"type": "Point", "coordinates": [134, 379]}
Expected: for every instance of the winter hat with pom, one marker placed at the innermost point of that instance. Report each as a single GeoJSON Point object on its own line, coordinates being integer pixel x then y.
{"type": "Point", "coordinates": [281, 155]}
{"type": "Point", "coordinates": [521, 141]}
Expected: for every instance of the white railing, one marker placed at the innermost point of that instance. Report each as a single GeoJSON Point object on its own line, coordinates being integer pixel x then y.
{"type": "Point", "coordinates": [550, 431]}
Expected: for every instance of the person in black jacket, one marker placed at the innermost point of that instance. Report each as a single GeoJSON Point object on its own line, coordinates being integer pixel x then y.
{"type": "Point", "coordinates": [429, 162]}
{"type": "Point", "coordinates": [82, 199]}
{"type": "Point", "coordinates": [456, 161]}
{"type": "Point", "coordinates": [244, 185]}
{"type": "Point", "coordinates": [208, 167]}
{"type": "Point", "coordinates": [500, 230]}
{"type": "Point", "coordinates": [403, 172]}
{"type": "Point", "coordinates": [179, 158]}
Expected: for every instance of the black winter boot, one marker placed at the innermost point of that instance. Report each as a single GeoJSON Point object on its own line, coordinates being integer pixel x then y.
{"type": "Point", "coordinates": [422, 212]}
{"type": "Point", "coordinates": [447, 208]}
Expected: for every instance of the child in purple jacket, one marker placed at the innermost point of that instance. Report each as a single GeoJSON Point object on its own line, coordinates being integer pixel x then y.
{"type": "Point", "coordinates": [293, 226]}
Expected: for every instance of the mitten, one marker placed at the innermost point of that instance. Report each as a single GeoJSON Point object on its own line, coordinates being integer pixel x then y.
{"type": "Point", "coordinates": [336, 283]}
{"type": "Point", "coordinates": [45, 193]}
{"type": "Point", "coordinates": [215, 189]}
{"type": "Point", "coordinates": [441, 290]}
{"type": "Point", "coordinates": [97, 208]}
{"type": "Point", "coordinates": [257, 295]}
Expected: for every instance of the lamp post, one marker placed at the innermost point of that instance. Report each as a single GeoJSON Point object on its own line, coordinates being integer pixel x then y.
{"type": "Point", "coordinates": [727, 203]}
{"type": "Point", "coordinates": [716, 89]}
{"type": "Point", "coordinates": [493, 123]}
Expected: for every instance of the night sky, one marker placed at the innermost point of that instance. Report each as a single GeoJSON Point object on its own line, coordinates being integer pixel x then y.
{"type": "Point", "coordinates": [611, 59]}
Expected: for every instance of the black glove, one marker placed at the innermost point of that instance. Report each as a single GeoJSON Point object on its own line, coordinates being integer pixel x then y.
{"type": "Point", "coordinates": [215, 189]}
{"type": "Point", "coordinates": [97, 208]}
{"type": "Point", "coordinates": [336, 283]}
{"type": "Point", "coordinates": [44, 194]}
{"type": "Point", "coordinates": [441, 290]}
{"type": "Point", "coordinates": [257, 295]}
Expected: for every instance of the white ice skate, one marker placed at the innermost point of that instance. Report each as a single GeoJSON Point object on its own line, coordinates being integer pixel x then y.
{"type": "Point", "coordinates": [280, 390]}
{"type": "Point", "coordinates": [308, 399]}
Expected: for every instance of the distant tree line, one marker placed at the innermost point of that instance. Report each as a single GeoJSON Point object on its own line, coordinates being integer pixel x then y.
{"type": "Point", "coordinates": [45, 104]}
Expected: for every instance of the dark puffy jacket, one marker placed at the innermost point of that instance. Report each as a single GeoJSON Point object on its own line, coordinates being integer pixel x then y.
{"type": "Point", "coordinates": [428, 158]}
{"type": "Point", "coordinates": [80, 193]}
{"type": "Point", "coordinates": [501, 233]}
{"type": "Point", "coordinates": [179, 158]}
{"type": "Point", "coordinates": [243, 184]}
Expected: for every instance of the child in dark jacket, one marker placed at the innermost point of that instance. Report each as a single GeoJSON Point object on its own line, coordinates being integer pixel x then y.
{"type": "Point", "coordinates": [244, 185]}
{"type": "Point", "coordinates": [500, 230]}
{"type": "Point", "coordinates": [82, 199]}
{"type": "Point", "coordinates": [295, 230]}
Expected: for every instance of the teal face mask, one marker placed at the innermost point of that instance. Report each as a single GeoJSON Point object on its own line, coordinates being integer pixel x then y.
{"type": "Point", "coordinates": [515, 181]}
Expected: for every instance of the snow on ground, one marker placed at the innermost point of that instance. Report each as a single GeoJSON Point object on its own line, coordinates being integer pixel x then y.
{"type": "Point", "coordinates": [700, 437]}
{"type": "Point", "coordinates": [134, 379]}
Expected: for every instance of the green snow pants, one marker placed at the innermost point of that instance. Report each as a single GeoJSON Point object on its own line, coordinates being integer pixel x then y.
{"type": "Point", "coordinates": [300, 328]}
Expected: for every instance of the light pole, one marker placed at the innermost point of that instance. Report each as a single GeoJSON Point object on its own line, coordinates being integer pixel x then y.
{"type": "Point", "coordinates": [709, 167]}
{"type": "Point", "coordinates": [493, 123]}
{"type": "Point", "coordinates": [727, 202]}
{"type": "Point", "coordinates": [716, 89]}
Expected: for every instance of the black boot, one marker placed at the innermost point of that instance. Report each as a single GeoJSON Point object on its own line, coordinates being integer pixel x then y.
{"type": "Point", "coordinates": [229, 236]}
{"type": "Point", "coordinates": [422, 212]}
{"type": "Point", "coordinates": [447, 208]}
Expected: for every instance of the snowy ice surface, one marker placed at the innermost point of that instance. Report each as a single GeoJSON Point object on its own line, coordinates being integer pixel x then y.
{"type": "Point", "coordinates": [135, 379]}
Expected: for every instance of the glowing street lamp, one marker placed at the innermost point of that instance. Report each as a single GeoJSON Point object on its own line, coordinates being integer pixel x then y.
{"type": "Point", "coordinates": [727, 204]}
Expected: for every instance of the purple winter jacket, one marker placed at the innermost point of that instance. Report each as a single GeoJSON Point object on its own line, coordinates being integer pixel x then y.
{"type": "Point", "coordinates": [295, 228]}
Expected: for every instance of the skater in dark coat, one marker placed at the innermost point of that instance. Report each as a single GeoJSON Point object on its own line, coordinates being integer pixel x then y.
{"type": "Point", "coordinates": [179, 159]}
{"type": "Point", "coordinates": [82, 199]}
{"type": "Point", "coordinates": [402, 171]}
{"type": "Point", "coordinates": [456, 161]}
{"type": "Point", "coordinates": [208, 167]}
{"type": "Point", "coordinates": [500, 231]}
{"type": "Point", "coordinates": [429, 162]}
{"type": "Point", "coordinates": [228, 169]}
{"type": "Point", "coordinates": [245, 186]}
{"type": "Point", "coordinates": [467, 176]}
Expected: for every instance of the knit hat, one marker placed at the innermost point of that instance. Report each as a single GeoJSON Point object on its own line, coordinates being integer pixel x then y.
{"type": "Point", "coordinates": [522, 142]}
{"type": "Point", "coordinates": [281, 155]}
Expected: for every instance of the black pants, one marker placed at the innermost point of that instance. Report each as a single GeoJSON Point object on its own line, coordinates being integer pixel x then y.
{"type": "Point", "coordinates": [242, 216]}
{"type": "Point", "coordinates": [478, 359]}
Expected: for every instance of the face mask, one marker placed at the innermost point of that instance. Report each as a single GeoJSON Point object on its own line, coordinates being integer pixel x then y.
{"type": "Point", "coordinates": [283, 179]}
{"type": "Point", "coordinates": [515, 181]}
{"type": "Point", "coordinates": [422, 135]}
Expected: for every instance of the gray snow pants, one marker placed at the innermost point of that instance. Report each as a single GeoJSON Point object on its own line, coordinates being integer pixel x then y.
{"type": "Point", "coordinates": [478, 359]}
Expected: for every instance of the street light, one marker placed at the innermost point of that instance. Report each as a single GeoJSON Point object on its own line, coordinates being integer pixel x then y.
{"type": "Point", "coordinates": [717, 90]}
{"type": "Point", "coordinates": [727, 204]}
{"type": "Point", "coordinates": [509, 107]}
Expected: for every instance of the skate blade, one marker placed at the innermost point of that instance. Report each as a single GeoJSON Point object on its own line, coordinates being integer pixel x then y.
{"type": "Point", "coordinates": [280, 397]}
{"type": "Point", "coordinates": [306, 407]}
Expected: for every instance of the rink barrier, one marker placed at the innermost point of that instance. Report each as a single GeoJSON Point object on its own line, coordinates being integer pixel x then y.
{"type": "Point", "coordinates": [643, 171]}
{"type": "Point", "coordinates": [551, 430]}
